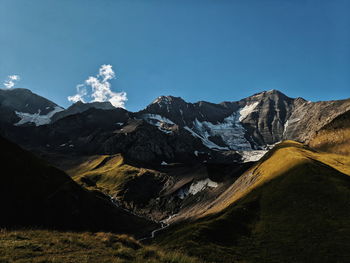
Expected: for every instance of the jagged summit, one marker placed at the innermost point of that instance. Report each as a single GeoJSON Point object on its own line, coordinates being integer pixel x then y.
{"type": "Point", "coordinates": [165, 100]}
{"type": "Point", "coordinates": [80, 107]}
{"type": "Point", "coordinates": [269, 93]}
{"type": "Point", "coordinates": [95, 104]}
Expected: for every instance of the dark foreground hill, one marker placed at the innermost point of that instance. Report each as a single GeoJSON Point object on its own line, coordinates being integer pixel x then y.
{"type": "Point", "coordinates": [35, 194]}
{"type": "Point", "coordinates": [293, 206]}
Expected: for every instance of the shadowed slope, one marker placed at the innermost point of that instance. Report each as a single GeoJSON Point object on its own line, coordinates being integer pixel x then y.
{"type": "Point", "coordinates": [38, 195]}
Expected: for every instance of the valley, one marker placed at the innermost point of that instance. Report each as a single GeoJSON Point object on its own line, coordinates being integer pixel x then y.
{"type": "Point", "coordinates": [255, 180]}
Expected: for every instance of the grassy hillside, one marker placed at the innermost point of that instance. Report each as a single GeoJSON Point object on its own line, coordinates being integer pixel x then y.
{"type": "Point", "coordinates": [113, 176]}
{"type": "Point", "coordinates": [40, 246]}
{"type": "Point", "coordinates": [335, 136]}
{"type": "Point", "coordinates": [34, 193]}
{"type": "Point", "coordinates": [105, 172]}
{"type": "Point", "coordinates": [293, 206]}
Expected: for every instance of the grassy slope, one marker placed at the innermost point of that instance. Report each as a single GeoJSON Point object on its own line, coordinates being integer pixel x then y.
{"type": "Point", "coordinates": [335, 136]}
{"type": "Point", "coordinates": [108, 173]}
{"type": "Point", "coordinates": [293, 206]}
{"type": "Point", "coordinates": [40, 246]}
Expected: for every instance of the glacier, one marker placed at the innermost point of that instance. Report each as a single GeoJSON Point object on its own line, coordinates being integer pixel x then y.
{"type": "Point", "coordinates": [36, 118]}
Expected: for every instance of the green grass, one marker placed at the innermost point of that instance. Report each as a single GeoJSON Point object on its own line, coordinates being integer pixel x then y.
{"type": "Point", "coordinates": [293, 206]}
{"type": "Point", "coordinates": [41, 246]}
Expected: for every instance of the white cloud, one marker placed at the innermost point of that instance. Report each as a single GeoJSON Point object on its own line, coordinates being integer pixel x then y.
{"type": "Point", "coordinates": [11, 81]}
{"type": "Point", "coordinates": [100, 89]}
{"type": "Point", "coordinates": [106, 72]}
{"type": "Point", "coordinates": [81, 92]}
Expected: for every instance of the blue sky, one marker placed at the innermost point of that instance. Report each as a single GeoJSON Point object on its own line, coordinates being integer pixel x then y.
{"type": "Point", "coordinates": [212, 50]}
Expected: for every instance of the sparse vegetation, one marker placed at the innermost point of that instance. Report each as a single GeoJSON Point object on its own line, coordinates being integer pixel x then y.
{"type": "Point", "coordinates": [42, 246]}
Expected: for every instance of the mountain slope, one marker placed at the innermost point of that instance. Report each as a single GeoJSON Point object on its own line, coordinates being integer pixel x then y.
{"type": "Point", "coordinates": [293, 206]}
{"type": "Point", "coordinates": [35, 194]}
{"type": "Point", "coordinates": [157, 192]}
{"type": "Point", "coordinates": [21, 106]}
{"type": "Point", "coordinates": [334, 136]}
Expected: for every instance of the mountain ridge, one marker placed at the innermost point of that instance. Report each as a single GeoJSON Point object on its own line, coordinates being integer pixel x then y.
{"type": "Point", "coordinates": [250, 124]}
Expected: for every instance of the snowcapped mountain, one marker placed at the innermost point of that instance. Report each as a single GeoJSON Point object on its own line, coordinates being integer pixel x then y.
{"type": "Point", "coordinates": [249, 124]}
{"type": "Point", "coordinates": [21, 106]}
{"type": "Point", "coordinates": [169, 129]}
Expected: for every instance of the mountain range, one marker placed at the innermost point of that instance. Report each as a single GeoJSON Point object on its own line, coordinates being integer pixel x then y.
{"type": "Point", "coordinates": [257, 179]}
{"type": "Point", "coordinates": [183, 130]}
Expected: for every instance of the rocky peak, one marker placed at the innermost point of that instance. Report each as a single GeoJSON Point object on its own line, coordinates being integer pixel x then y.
{"type": "Point", "coordinates": [270, 94]}
{"type": "Point", "coordinates": [80, 107]}
{"type": "Point", "coordinates": [167, 100]}
{"type": "Point", "coordinates": [105, 105]}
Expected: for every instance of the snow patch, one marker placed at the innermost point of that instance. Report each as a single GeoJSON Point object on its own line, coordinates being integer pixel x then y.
{"type": "Point", "coordinates": [156, 118]}
{"type": "Point", "coordinates": [164, 163]}
{"type": "Point", "coordinates": [230, 130]}
{"type": "Point", "coordinates": [246, 110]}
{"type": "Point", "coordinates": [204, 137]}
{"type": "Point", "coordinates": [201, 185]}
{"type": "Point", "coordinates": [36, 118]}
{"type": "Point", "coordinates": [196, 187]}
{"type": "Point", "coordinates": [252, 156]}
{"type": "Point", "coordinates": [163, 124]}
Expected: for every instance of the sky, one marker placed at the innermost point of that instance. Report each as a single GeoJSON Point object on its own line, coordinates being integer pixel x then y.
{"type": "Point", "coordinates": [212, 50]}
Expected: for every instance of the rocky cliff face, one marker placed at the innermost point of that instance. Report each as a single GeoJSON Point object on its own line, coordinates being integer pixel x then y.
{"type": "Point", "coordinates": [309, 117]}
